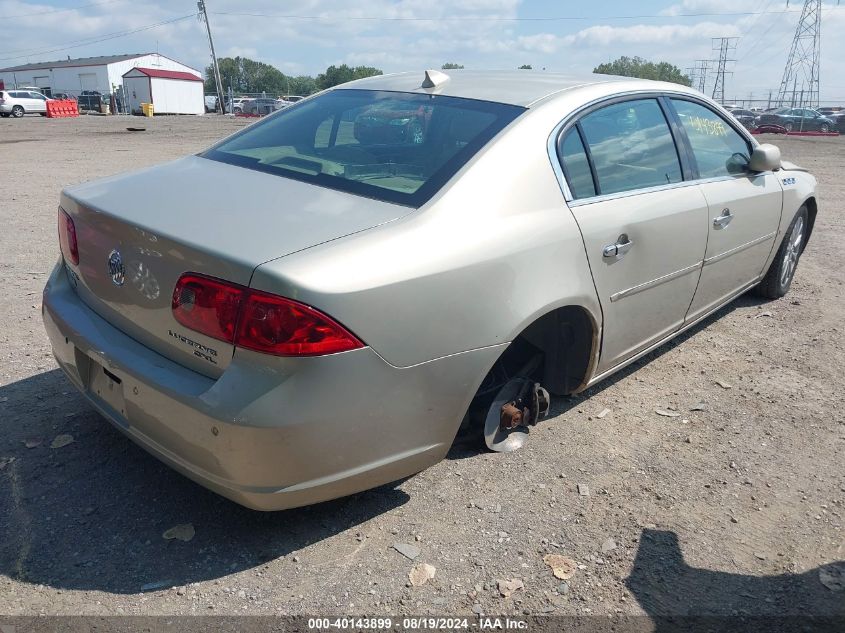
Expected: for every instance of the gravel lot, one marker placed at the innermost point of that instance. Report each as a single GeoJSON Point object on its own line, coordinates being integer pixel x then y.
{"type": "Point", "coordinates": [734, 509]}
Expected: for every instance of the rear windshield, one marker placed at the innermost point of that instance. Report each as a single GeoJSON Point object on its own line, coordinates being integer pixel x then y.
{"type": "Point", "coordinates": [392, 146]}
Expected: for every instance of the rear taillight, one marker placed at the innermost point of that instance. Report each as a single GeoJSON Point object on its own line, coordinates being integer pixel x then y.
{"type": "Point", "coordinates": [208, 306]}
{"type": "Point", "coordinates": [257, 320]}
{"type": "Point", "coordinates": [67, 237]}
{"type": "Point", "coordinates": [279, 326]}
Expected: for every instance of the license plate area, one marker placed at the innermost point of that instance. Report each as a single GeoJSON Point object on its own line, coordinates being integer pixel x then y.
{"type": "Point", "coordinates": [106, 386]}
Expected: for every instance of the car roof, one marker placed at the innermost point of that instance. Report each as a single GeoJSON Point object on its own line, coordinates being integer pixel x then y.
{"type": "Point", "coordinates": [515, 87]}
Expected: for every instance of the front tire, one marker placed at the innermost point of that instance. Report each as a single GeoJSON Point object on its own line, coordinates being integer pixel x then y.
{"type": "Point", "coordinates": [17, 111]}
{"type": "Point", "coordinates": [779, 278]}
{"type": "Point", "coordinates": [824, 128]}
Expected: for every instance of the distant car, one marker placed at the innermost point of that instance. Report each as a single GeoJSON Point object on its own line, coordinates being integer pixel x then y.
{"type": "Point", "coordinates": [16, 103]}
{"type": "Point", "coordinates": [796, 119]}
{"type": "Point", "coordinates": [261, 106]}
{"type": "Point", "coordinates": [211, 103]}
{"type": "Point", "coordinates": [415, 246]}
{"type": "Point", "coordinates": [746, 117]}
{"type": "Point", "coordinates": [236, 106]}
{"type": "Point", "coordinates": [827, 111]}
{"type": "Point", "coordinates": [838, 121]}
{"type": "Point", "coordinates": [292, 98]}
{"type": "Point", "coordinates": [61, 96]}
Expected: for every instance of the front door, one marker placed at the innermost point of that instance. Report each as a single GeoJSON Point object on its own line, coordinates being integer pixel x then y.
{"type": "Point", "coordinates": [744, 208]}
{"type": "Point", "coordinates": [38, 101]}
{"type": "Point", "coordinates": [644, 229]}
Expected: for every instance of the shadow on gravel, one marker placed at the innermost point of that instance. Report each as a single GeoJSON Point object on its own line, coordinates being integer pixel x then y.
{"type": "Point", "coordinates": [90, 515]}
{"type": "Point", "coordinates": [470, 443]}
{"type": "Point", "coordinates": [678, 597]}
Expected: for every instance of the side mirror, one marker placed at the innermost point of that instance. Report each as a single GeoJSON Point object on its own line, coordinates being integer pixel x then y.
{"type": "Point", "coordinates": [765, 157]}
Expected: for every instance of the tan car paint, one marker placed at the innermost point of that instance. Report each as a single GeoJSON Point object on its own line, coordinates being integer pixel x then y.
{"type": "Point", "coordinates": [644, 293]}
{"type": "Point", "coordinates": [737, 252]}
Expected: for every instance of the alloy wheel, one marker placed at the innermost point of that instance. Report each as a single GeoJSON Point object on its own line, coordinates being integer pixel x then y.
{"type": "Point", "coordinates": [792, 253]}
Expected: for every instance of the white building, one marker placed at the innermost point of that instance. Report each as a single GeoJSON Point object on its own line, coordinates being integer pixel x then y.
{"type": "Point", "coordinates": [100, 74]}
{"type": "Point", "coordinates": [170, 91]}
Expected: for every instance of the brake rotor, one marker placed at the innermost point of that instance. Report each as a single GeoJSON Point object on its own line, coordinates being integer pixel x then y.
{"type": "Point", "coordinates": [497, 437]}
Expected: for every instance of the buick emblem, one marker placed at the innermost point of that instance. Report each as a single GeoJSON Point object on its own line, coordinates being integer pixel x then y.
{"type": "Point", "coordinates": [117, 272]}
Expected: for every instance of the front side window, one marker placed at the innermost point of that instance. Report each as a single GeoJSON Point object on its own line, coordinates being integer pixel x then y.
{"type": "Point", "coordinates": [631, 146]}
{"type": "Point", "coordinates": [391, 146]}
{"type": "Point", "coordinates": [719, 150]}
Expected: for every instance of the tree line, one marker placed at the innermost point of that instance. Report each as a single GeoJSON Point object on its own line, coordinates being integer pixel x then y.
{"type": "Point", "coordinates": [247, 76]}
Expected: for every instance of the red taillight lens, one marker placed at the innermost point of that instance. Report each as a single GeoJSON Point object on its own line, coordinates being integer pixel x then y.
{"type": "Point", "coordinates": [208, 306]}
{"type": "Point", "coordinates": [67, 237]}
{"type": "Point", "coordinates": [279, 326]}
{"type": "Point", "coordinates": [257, 320]}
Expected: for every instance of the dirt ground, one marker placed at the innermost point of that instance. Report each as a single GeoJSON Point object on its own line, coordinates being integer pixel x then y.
{"type": "Point", "coordinates": [734, 509]}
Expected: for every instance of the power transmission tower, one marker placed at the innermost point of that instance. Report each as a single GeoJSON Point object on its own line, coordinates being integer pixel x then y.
{"type": "Point", "coordinates": [701, 74]}
{"type": "Point", "coordinates": [802, 65]}
{"type": "Point", "coordinates": [692, 75]}
{"type": "Point", "coordinates": [219, 84]}
{"type": "Point", "coordinates": [725, 46]}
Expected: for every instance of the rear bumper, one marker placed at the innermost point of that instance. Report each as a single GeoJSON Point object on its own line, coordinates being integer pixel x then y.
{"type": "Point", "coordinates": [270, 433]}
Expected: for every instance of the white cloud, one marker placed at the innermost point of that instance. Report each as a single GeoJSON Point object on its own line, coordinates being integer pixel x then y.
{"type": "Point", "coordinates": [433, 32]}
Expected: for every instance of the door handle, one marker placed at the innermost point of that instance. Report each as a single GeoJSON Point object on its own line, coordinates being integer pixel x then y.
{"type": "Point", "coordinates": [622, 246]}
{"type": "Point", "coordinates": [723, 220]}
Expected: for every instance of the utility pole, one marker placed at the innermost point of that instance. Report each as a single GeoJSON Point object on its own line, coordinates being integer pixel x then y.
{"type": "Point", "coordinates": [204, 16]}
{"type": "Point", "coordinates": [725, 46]}
{"type": "Point", "coordinates": [701, 73]}
{"type": "Point", "coordinates": [803, 61]}
{"type": "Point", "coordinates": [692, 75]}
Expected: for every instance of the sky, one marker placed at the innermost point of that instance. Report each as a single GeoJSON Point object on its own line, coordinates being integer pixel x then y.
{"type": "Point", "coordinates": [306, 36]}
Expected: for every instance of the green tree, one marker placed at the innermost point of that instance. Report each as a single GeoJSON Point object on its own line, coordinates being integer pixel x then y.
{"type": "Point", "coordinates": [245, 75]}
{"type": "Point", "coordinates": [639, 67]}
{"type": "Point", "coordinates": [303, 85]}
{"type": "Point", "coordinates": [526, 67]}
{"type": "Point", "coordinates": [335, 75]}
{"type": "Point", "coordinates": [451, 66]}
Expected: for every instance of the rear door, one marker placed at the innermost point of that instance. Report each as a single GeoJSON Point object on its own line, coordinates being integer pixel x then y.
{"type": "Point", "coordinates": [744, 207]}
{"type": "Point", "coordinates": [643, 226]}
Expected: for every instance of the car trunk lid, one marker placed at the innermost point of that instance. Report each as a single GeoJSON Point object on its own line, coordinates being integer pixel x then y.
{"type": "Point", "coordinates": [138, 233]}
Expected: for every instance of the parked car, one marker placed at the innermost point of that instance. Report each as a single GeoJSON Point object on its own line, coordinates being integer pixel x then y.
{"type": "Point", "coordinates": [16, 103]}
{"type": "Point", "coordinates": [746, 117]}
{"type": "Point", "coordinates": [838, 119]}
{"type": "Point", "coordinates": [61, 96]}
{"type": "Point", "coordinates": [211, 103]}
{"type": "Point", "coordinates": [237, 104]}
{"type": "Point", "coordinates": [829, 110]}
{"type": "Point", "coordinates": [383, 288]}
{"type": "Point", "coordinates": [261, 106]}
{"type": "Point", "coordinates": [90, 100]}
{"type": "Point", "coordinates": [798, 119]}
{"type": "Point", "coordinates": [292, 98]}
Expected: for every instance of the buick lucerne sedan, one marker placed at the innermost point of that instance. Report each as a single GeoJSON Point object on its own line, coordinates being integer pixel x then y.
{"type": "Point", "coordinates": [317, 304]}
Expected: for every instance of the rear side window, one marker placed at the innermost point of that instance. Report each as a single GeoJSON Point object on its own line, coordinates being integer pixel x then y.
{"type": "Point", "coordinates": [718, 148]}
{"type": "Point", "coordinates": [631, 146]}
{"type": "Point", "coordinates": [392, 146]}
{"type": "Point", "coordinates": [576, 166]}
